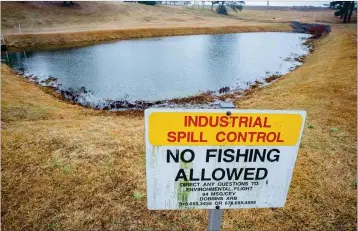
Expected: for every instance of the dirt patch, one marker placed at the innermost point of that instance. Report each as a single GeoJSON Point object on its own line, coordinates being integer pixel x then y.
{"type": "Point", "coordinates": [199, 99]}
{"type": "Point", "coordinates": [78, 96]}
{"type": "Point", "coordinates": [272, 78]}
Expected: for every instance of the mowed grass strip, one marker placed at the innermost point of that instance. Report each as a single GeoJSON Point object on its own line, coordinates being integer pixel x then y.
{"type": "Point", "coordinates": [69, 168]}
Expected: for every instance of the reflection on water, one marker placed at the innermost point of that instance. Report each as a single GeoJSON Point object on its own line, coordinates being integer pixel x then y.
{"type": "Point", "coordinates": [168, 67]}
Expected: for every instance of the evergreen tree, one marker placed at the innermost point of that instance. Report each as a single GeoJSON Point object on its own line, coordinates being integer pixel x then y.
{"type": "Point", "coordinates": [221, 9]}
{"type": "Point", "coordinates": [344, 9]}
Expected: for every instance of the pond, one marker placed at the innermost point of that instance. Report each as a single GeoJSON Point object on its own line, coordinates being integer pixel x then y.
{"type": "Point", "coordinates": [164, 68]}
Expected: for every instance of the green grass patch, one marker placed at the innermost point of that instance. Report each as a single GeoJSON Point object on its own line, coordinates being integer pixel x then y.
{"type": "Point", "coordinates": [137, 195]}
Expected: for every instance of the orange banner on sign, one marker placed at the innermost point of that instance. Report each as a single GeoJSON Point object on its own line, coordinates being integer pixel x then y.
{"type": "Point", "coordinates": [205, 129]}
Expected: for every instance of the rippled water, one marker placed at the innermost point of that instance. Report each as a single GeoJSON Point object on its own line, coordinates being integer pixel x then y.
{"type": "Point", "coordinates": [168, 67]}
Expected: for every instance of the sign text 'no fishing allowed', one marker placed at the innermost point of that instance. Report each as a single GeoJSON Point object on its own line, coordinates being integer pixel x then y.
{"type": "Point", "coordinates": [220, 158]}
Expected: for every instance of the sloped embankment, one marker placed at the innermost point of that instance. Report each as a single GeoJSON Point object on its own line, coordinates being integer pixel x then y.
{"type": "Point", "coordinates": [69, 168]}
{"type": "Point", "coordinates": [87, 37]}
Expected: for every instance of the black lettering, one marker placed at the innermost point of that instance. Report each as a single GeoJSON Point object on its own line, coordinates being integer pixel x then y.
{"type": "Point", "coordinates": [276, 157]}
{"type": "Point", "coordinates": [170, 154]}
{"type": "Point", "coordinates": [238, 155]}
{"type": "Point", "coordinates": [182, 155]}
{"type": "Point", "coordinates": [208, 155]}
{"type": "Point", "coordinates": [258, 177]}
{"type": "Point", "coordinates": [222, 174]}
{"type": "Point", "coordinates": [181, 175]}
{"type": "Point", "coordinates": [192, 176]}
{"type": "Point", "coordinates": [229, 155]}
{"type": "Point", "coordinates": [261, 157]}
{"type": "Point", "coordinates": [247, 173]}
{"type": "Point", "coordinates": [233, 173]}
{"type": "Point", "coordinates": [203, 175]}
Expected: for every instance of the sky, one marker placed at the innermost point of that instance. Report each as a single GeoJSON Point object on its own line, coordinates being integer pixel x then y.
{"type": "Point", "coordinates": [287, 3]}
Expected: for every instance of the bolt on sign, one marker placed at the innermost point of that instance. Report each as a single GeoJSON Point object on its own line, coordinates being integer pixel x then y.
{"type": "Point", "coordinates": [201, 159]}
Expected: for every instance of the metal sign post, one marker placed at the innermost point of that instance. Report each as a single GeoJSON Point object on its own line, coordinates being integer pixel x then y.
{"type": "Point", "coordinates": [215, 215]}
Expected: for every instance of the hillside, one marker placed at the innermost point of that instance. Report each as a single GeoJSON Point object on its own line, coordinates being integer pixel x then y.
{"type": "Point", "coordinates": [46, 16]}
{"type": "Point", "coordinates": [40, 17]}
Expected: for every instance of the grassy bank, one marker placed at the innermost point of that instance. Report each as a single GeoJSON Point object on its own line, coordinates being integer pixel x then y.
{"type": "Point", "coordinates": [52, 24]}
{"type": "Point", "coordinates": [46, 17]}
{"type": "Point", "coordinates": [88, 37]}
{"type": "Point", "coordinates": [65, 167]}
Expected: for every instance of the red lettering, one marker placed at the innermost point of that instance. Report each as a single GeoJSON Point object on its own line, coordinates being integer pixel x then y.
{"type": "Point", "coordinates": [233, 137]}
{"type": "Point", "coordinates": [234, 118]}
{"type": "Point", "coordinates": [271, 139]}
{"type": "Point", "coordinates": [224, 121]}
{"type": "Point", "coordinates": [241, 137]}
{"type": "Point", "coordinates": [265, 123]}
{"type": "Point", "coordinates": [261, 135]}
{"type": "Point", "coordinates": [257, 122]}
{"type": "Point", "coordinates": [203, 121]}
{"type": "Point", "coordinates": [171, 137]}
{"type": "Point", "coordinates": [192, 137]}
{"type": "Point", "coordinates": [252, 136]}
{"type": "Point", "coordinates": [250, 122]}
{"type": "Point", "coordinates": [217, 137]}
{"type": "Point", "coordinates": [243, 120]}
{"type": "Point", "coordinates": [278, 137]}
{"type": "Point", "coordinates": [191, 121]}
{"type": "Point", "coordinates": [181, 135]}
{"type": "Point", "coordinates": [202, 137]}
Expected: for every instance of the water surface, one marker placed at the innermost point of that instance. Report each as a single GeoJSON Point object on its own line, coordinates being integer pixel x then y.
{"type": "Point", "coordinates": [167, 67]}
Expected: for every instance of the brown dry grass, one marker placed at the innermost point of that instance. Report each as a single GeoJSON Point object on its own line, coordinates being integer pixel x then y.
{"type": "Point", "coordinates": [44, 24]}
{"type": "Point", "coordinates": [43, 17]}
{"type": "Point", "coordinates": [273, 15]}
{"type": "Point", "coordinates": [65, 167]}
{"type": "Point", "coordinates": [69, 168]}
{"type": "Point", "coordinates": [87, 37]}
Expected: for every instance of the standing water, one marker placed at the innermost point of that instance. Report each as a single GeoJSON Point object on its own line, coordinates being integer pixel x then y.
{"type": "Point", "coordinates": [165, 68]}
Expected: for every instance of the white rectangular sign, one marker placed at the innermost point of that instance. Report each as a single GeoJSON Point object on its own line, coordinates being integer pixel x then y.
{"type": "Point", "coordinates": [204, 158]}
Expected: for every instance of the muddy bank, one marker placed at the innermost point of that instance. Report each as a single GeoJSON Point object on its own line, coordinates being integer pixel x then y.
{"type": "Point", "coordinates": [72, 39]}
{"type": "Point", "coordinates": [299, 27]}
{"type": "Point", "coordinates": [208, 99]}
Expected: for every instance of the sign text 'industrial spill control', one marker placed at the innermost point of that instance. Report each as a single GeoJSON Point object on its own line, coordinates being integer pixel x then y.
{"type": "Point", "coordinates": [201, 159]}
